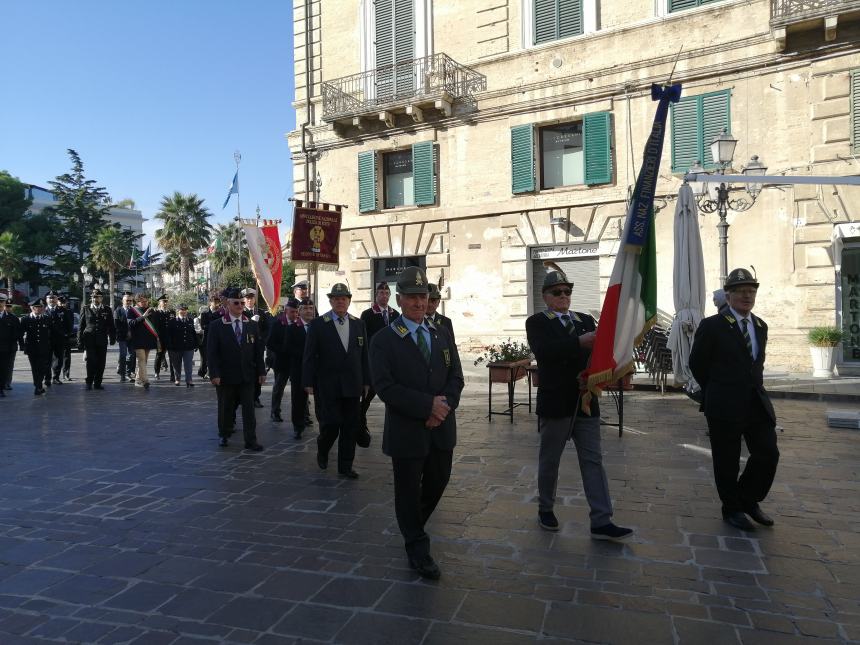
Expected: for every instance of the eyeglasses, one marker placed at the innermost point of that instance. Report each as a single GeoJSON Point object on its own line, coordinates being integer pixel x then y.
{"type": "Point", "coordinates": [745, 292]}
{"type": "Point", "coordinates": [561, 292]}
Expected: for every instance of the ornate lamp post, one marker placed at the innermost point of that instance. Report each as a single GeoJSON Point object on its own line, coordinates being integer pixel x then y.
{"type": "Point", "coordinates": [85, 284]}
{"type": "Point", "coordinates": [714, 197]}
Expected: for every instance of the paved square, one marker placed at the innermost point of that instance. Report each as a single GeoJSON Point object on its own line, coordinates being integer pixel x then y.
{"type": "Point", "coordinates": [121, 521]}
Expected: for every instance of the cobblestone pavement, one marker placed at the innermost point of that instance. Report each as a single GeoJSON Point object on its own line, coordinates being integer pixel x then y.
{"type": "Point", "coordinates": [122, 521]}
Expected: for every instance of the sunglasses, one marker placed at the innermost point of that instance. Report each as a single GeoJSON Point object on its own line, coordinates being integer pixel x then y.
{"type": "Point", "coordinates": [561, 292]}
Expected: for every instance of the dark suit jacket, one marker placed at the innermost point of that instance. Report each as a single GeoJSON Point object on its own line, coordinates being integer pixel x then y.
{"type": "Point", "coordinates": [140, 336]}
{"type": "Point", "coordinates": [407, 385]}
{"type": "Point", "coordinates": [233, 362]}
{"type": "Point", "coordinates": [276, 344]}
{"type": "Point", "coordinates": [294, 344]}
{"type": "Point", "coordinates": [443, 321]}
{"type": "Point", "coordinates": [181, 336]}
{"type": "Point", "coordinates": [326, 367]}
{"type": "Point", "coordinates": [36, 335]}
{"type": "Point", "coordinates": [265, 321]}
{"type": "Point", "coordinates": [96, 326]}
{"type": "Point", "coordinates": [560, 359]}
{"type": "Point", "coordinates": [159, 318]}
{"type": "Point", "coordinates": [205, 318]}
{"type": "Point", "coordinates": [731, 381]}
{"type": "Point", "coordinates": [11, 333]}
{"type": "Point", "coordinates": [120, 320]}
{"type": "Point", "coordinates": [374, 321]}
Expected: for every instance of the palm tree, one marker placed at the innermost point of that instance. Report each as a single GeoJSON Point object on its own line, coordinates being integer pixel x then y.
{"type": "Point", "coordinates": [184, 231]}
{"type": "Point", "coordinates": [11, 258]}
{"type": "Point", "coordinates": [111, 251]}
{"type": "Point", "coordinates": [231, 248]}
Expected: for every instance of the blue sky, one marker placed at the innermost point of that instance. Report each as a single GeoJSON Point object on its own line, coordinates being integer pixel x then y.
{"type": "Point", "coordinates": [155, 95]}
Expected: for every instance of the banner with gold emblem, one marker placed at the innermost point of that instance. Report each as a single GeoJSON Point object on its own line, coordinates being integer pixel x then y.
{"type": "Point", "coordinates": [316, 233]}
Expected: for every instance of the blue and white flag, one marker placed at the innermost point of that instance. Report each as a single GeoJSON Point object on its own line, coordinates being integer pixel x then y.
{"type": "Point", "coordinates": [234, 189]}
{"type": "Point", "coordinates": [144, 260]}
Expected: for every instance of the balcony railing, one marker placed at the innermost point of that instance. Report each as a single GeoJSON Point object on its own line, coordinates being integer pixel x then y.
{"type": "Point", "coordinates": [428, 78]}
{"type": "Point", "coordinates": [783, 12]}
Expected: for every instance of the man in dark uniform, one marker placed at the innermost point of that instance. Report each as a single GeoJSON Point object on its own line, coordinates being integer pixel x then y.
{"type": "Point", "coordinates": [70, 336]}
{"type": "Point", "coordinates": [125, 362]}
{"type": "Point", "coordinates": [277, 350]}
{"type": "Point", "coordinates": [95, 331]}
{"type": "Point", "coordinates": [264, 319]}
{"type": "Point", "coordinates": [11, 334]}
{"type": "Point", "coordinates": [212, 313]}
{"type": "Point", "coordinates": [417, 374]}
{"type": "Point", "coordinates": [295, 347]}
{"type": "Point", "coordinates": [59, 333]}
{"type": "Point", "coordinates": [235, 351]}
{"type": "Point", "coordinates": [335, 373]}
{"type": "Point", "coordinates": [727, 360]}
{"type": "Point", "coordinates": [160, 317]}
{"type": "Point", "coordinates": [439, 320]}
{"type": "Point", "coordinates": [561, 341]}
{"type": "Point", "coordinates": [301, 290]}
{"type": "Point", "coordinates": [36, 343]}
{"type": "Point", "coordinates": [377, 317]}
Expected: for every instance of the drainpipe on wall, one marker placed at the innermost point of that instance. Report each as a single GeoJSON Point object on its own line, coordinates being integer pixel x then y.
{"type": "Point", "coordinates": [310, 157]}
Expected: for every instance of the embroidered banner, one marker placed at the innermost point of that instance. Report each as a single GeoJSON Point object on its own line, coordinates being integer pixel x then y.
{"type": "Point", "coordinates": [316, 233]}
{"type": "Point", "coordinates": [264, 248]}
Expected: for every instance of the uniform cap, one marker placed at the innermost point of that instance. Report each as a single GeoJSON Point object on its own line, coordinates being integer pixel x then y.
{"type": "Point", "coordinates": [38, 302]}
{"type": "Point", "coordinates": [383, 286]}
{"type": "Point", "coordinates": [434, 291]}
{"type": "Point", "coordinates": [127, 293]}
{"type": "Point", "coordinates": [231, 293]}
{"type": "Point", "coordinates": [412, 280]}
{"type": "Point", "coordinates": [293, 303]}
{"type": "Point", "coordinates": [63, 299]}
{"type": "Point", "coordinates": [163, 296]}
{"type": "Point", "coordinates": [3, 297]}
{"type": "Point", "coordinates": [307, 302]}
{"type": "Point", "coordinates": [248, 292]}
{"type": "Point", "coordinates": [554, 279]}
{"type": "Point", "coordinates": [303, 284]}
{"type": "Point", "coordinates": [339, 289]}
{"type": "Point", "coordinates": [738, 277]}
{"type": "Point", "coordinates": [182, 305]}
{"type": "Point", "coordinates": [52, 293]}
{"type": "Point", "coordinates": [97, 292]}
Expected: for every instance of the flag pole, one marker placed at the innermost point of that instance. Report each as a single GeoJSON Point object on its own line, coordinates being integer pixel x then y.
{"type": "Point", "coordinates": [237, 157]}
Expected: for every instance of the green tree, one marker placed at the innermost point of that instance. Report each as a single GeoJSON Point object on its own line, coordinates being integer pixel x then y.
{"type": "Point", "coordinates": [236, 277]}
{"type": "Point", "coordinates": [11, 258]}
{"type": "Point", "coordinates": [128, 203]}
{"type": "Point", "coordinates": [231, 248]}
{"type": "Point", "coordinates": [172, 262]}
{"type": "Point", "coordinates": [82, 208]}
{"type": "Point", "coordinates": [14, 202]}
{"type": "Point", "coordinates": [185, 229]}
{"type": "Point", "coordinates": [111, 252]}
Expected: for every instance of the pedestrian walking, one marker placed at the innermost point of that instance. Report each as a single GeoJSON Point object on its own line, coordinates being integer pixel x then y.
{"type": "Point", "coordinates": [213, 311]}
{"type": "Point", "coordinates": [276, 346]}
{"type": "Point", "coordinates": [11, 335]}
{"type": "Point", "coordinates": [144, 337]}
{"type": "Point", "coordinates": [161, 316]}
{"type": "Point", "coordinates": [417, 375]}
{"type": "Point", "coordinates": [295, 338]}
{"type": "Point", "coordinates": [235, 350]}
{"type": "Point", "coordinates": [70, 336]}
{"type": "Point", "coordinates": [335, 372]}
{"type": "Point", "coordinates": [36, 343]}
{"type": "Point", "coordinates": [181, 344]}
{"type": "Point", "coordinates": [126, 358]}
{"type": "Point", "coordinates": [727, 360]}
{"type": "Point", "coordinates": [95, 332]}
{"type": "Point", "coordinates": [264, 319]}
{"type": "Point", "coordinates": [561, 341]}
{"type": "Point", "coordinates": [60, 330]}
{"type": "Point", "coordinates": [377, 317]}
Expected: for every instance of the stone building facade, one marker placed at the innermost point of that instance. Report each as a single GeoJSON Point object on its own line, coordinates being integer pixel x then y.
{"type": "Point", "coordinates": [481, 137]}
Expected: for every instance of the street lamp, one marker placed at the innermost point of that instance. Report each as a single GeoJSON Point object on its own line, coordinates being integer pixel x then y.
{"type": "Point", "coordinates": [714, 197]}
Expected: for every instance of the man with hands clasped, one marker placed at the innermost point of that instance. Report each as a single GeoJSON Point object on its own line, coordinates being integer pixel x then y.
{"type": "Point", "coordinates": [416, 373]}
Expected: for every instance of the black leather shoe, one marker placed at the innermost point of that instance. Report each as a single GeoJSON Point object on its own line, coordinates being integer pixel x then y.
{"type": "Point", "coordinates": [189, 384]}
{"type": "Point", "coordinates": [348, 474]}
{"type": "Point", "coordinates": [739, 521]}
{"type": "Point", "coordinates": [276, 418]}
{"type": "Point", "coordinates": [297, 434]}
{"type": "Point", "coordinates": [57, 381]}
{"type": "Point", "coordinates": [98, 387]}
{"type": "Point", "coordinates": [89, 386]}
{"type": "Point", "coordinates": [309, 421]}
{"type": "Point", "coordinates": [426, 567]}
{"type": "Point", "coordinates": [257, 403]}
{"type": "Point", "coordinates": [223, 442]}
{"type": "Point", "coordinates": [255, 447]}
{"type": "Point", "coordinates": [322, 460]}
{"type": "Point", "coordinates": [759, 515]}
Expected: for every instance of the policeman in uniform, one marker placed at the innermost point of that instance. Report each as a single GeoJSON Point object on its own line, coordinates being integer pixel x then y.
{"type": "Point", "coordinates": [96, 330]}
{"type": "Point", "coordinates": [417, 374]}
{"type": "Point", "coordinates": [213, 312]}
{"type": "Point", "coordinates": [37, 345]}
{"type": "Point", "coordinates": [335, 372]}
{"type": "Point", "coordinates": [70, 336]}
{"type": "Point", "coordinates": [294, 340]}
{"type": "Point", "coordinates": [60, 330]}
{"type": "Point", "coordinates": [727, 360]}
{"type": "Point", "coordinates": [10, 336]}
{"type": "Point", "coordinates": [561, 341]}
{"type": "Point", "coordinates": [125, 362]}
{"type": "Point", "coordinates": [235, 351]}
{"type": "Point", "coordinates": [301, 290]}
{"type": "Point", "coordinates": [161, 316]}
{"type": "Point", "coordinates": [439, 320]}
{"type": "Point", "coordinates": [280, 359]}
{"type": "Point", "coordinates": [264, 319]}
{"type": "Point", "coordinates": [377, 317]}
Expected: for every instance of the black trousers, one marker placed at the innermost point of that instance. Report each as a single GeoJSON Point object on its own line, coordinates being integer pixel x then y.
{"type": "Point", "coordinates": [7, 364]}
{"type": "Point", "coordinates": [96, 357]}
{"type": "Point", "coordinates": [204, 365]}
{"type": "Point", "coordinates": [229, 398]}
{"type": "Point", "coordinates": [365, 404]}
{"type": "Point", "coordinates": [278, 387]}
{"type": "Point", "coordinates": [58, 358]}
{"type": "Point", "coordinates": [164, 359]}
{"type": "Point", "coordinates": [347, 409]}
{"type": "Point", "coordinates": [759, 433]}
{"type": "Point", "coordinates": [67, 361]}
{"type": "Point", "coordinates": [418, 487]}
{"type": "Point", "coordinates": [298, 405]}
{"type": "Point", "coordinates": [40, 366]}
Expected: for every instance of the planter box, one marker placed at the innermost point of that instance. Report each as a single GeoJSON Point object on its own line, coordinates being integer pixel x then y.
{"type": "Point", "coordinates": [822, 361]}
{"type": "Point", "coordinates": [508, 371]}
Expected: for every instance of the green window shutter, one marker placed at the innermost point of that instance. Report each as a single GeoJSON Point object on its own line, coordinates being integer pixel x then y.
{"type": "Point", "coordinates": [715, 117]}
{"type": "Point", "coordinates": [686, 134]}
{"type": "Point", "coordinates": [680, 5]}
{"type": "Point", "coordinates": [522, 159]}
{"type": "Point", "coordinates": [366, 182]}
{"type": "Point", "coordinates": [384, 47]}
{"type": "Point", "coordinates": [569, 18]}
{"type": "Point", "coordinates": [404, 46]}
{"type": "Point", "coordinates": [424, 173]}
{"type": "Point", "coordinates": [597, 148]}
{"type": "Point", "coordinates": [546, 21]}
{"type": "Point", "coordinates": [855, 111]}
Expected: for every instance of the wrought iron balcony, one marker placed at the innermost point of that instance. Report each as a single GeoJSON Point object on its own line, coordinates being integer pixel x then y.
{"type": "Point", "coordinates": [434, 81]}
{"type": "Point", "coordinates": [788, 12]}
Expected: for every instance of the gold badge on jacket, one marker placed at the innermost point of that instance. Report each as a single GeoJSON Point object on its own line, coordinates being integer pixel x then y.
{"type": "Point", "coordinates": [361, 341]}
{"type": "Point", "coordinates": [446, 354]}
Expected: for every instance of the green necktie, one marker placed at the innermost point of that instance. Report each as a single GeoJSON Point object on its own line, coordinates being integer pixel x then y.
{"type": "Point", "coordinates": [423, 345]}
{"type": "Point", "coordinates": [747, 338]}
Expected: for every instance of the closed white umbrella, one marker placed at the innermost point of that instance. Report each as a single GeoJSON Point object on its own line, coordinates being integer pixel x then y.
{"type": "Point", "coordinates": [688, 285]}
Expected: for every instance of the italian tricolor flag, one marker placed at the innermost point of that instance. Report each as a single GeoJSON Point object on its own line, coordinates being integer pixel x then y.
{"type": "Point", "coordinates": [630, 304]}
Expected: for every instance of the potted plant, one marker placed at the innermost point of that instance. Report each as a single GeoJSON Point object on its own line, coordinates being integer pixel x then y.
{"type": "Point", "coordinates": [823, 340]}
{"type": "Point", "coordinates": [507, 361]}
